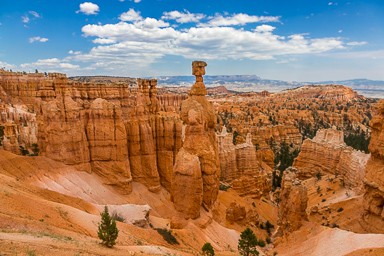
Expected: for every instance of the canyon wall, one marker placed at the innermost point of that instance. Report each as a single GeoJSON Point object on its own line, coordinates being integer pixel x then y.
{"type": "Point", "coordinates": [327, 153]}
{"type": "Point", "coordinates": [374, 177]}
{"type": "Point", "coordinates": [114, 129]}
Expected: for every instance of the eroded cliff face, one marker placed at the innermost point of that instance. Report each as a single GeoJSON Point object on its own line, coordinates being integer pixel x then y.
{"type": "Point", "coordinates": [114, 129]}
{"type": "Point", "coordinates": [327, 153]}
{"type": "Point", "coordinates": [241, 167]}
{"type": "Point", "coordinates": [293, 203]}
{"type": "Point", "coordinates": [374, 176]}
{"type": "Point", "coordinates": [199, 176]}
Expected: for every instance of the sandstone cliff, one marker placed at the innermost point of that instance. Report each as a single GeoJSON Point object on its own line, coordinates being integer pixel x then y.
{"type": "Point", "coordinates": [328, 153]}
{"type": "Point", "coordinates": [241, 167]}
{"type": "Point", "coordinates": [196, 172]}
{"type": "Point", "coordinates": [293, 203]}
{"type": "Point", "coordinates": [374, 177]}
{"type": "Point", "coordinates": [107, 127]}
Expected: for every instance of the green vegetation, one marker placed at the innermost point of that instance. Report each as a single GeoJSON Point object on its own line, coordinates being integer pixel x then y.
{"type": "Point", "coordinates": [167, 235]}
{"type": "Point", "coordinates": [247, 243]}
{"type": "Point", "coordinates": [224, 187]}
{"type": "Point", "coordinates": [284, 156]}
{"type": "Point", "coordinates": [358, 139]}
{"type": "Point", "coordinates": [107, 230]}
{"type": "Point", "coordinates": [207, 250]}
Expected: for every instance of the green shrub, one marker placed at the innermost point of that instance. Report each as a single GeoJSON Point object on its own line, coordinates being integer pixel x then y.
{"type": "Point", "coordinates": [261, 243]}
{"type": "Point", "coordinates": [167, 235]}
{"type": "Point", "coordinates": [207, 250]}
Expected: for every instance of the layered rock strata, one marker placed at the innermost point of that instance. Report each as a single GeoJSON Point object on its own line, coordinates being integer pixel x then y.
{"type": "Point", "coordinates": [116, 129]}
{"type": "Point", "coordinates": [240, 166]}
{"type": "Point", "coordinates": [374, 176]}
{"type": "Point", "coordinates": [327, 152]}
{"type": "Point", "coordinates": [196, 171]}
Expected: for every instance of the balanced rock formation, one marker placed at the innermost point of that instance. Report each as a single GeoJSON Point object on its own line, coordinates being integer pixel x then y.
{"type": "Point", "coordinates": [374, 176]}
{"type": "Point", "coordinates": [293, 202]}
{"type": "Point", "coordinates": [196, 171]}
{"type": "Point", "coordinates": [328, 153]}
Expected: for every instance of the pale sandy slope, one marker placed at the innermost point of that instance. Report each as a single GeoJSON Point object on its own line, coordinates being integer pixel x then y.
{"type": "Point", "coordinates": [316, 240]}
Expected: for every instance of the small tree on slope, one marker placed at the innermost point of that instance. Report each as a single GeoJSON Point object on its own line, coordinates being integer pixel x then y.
{"type": "Point", "coordinates": [208, 250]}
{"type": "Point", "coordinates": [247, 243]}
{"type": "Point", "coordinates": [107, 231]}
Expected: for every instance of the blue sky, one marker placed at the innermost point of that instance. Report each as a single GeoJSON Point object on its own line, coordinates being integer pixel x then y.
{"type": "Point", "coordinates": [297, 40]}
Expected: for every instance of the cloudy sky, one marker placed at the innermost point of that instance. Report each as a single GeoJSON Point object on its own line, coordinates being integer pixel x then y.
{"type": "Point", "coordinates": [296, 40]}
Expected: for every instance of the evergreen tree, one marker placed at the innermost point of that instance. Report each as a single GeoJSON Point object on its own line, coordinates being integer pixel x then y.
{"type": "Point", "coordinates": [107, 231]}
{"type": "Point", "coordinates": [247, 243]}
{"type": "Point", "coordinates": [208, 250]}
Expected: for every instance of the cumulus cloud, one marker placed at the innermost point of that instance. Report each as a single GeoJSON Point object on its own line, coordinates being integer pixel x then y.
{"type": "Point", "coordinates": [89, 8]}
{"type": "Point", "coordinates": [137, 1]}
{"type": "Point", "coordinates": [240, 19]}
{"type": "Point", "coordinates": [38, 39]}
{"type": "Point", "coordinates": [130, 15]}
{"type": "Point", "coordinates": [183, 17]}
{"type": "Point", "coordinates": [50, 65]}
{"type": "Point", "coordinates": [136, 41]}
{"type": "Point", "coordinates": [264, 28]}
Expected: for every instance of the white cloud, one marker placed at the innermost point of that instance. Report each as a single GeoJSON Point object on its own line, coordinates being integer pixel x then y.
{"type": "Point", "coordinates": [264, 28]}
{"type": "Point", "coordinates": [6, 65]}
{"type": "Point", "coordinates": [239, 19]}
{"type": "Point", "coordinates": [135, 42]}
{"type": "Point", "coordinates": [137, 1]}
{"type": "Point", "coordinates": [183, 17]}
{"type": "Point", "coordinates": [38, 39]}
{"type": "Point", "coordinates": [144, 41]}
{"type": "Point", "coordinates": [130, 15]}
{"type": "Point", "coordinates": [357, 43]}
{"type": "Point", "coordinates": [34, 14]}
{"type": "Point", "coordinates": [31, 15]}
{"type": "Point", "coordinates": [89, 8]}
{"type": "Point", "coordinates": [50, 65]}
{"type": "Point", "coordinates": [103, 41]}
{"type": "Point", "coordinates": [74, 52]}
{"type": "Point", "coordinates": [25, 19]}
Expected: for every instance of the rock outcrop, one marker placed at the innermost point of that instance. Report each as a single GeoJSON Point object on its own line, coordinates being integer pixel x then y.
{"type": "Point", "coordinates": [327, 153]}
{"type": "Point", "coordinates": [196, 172]}
{"type": "Point", "coordinates": [293, 203]}
{"type": "Point", "coordinates": [241, 167]}
{"type": "Point", "coordinates": [374, 176]}
{"type": "Point", "coordinates": [235, 213]}
{"type": "Point", "coordinates": [112, 128]}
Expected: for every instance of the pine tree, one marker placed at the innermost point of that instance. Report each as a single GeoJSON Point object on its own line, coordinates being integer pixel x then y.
{"type": "Point", "coordinates": [247, 243]}
{"type": "Point", "coordinates": [208, 250]}
{"type": "Point", "coordinates": [107, 231]}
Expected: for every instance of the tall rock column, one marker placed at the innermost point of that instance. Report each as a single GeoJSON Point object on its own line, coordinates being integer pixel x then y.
{"type": "Point", "coordinates": [293, 203]}
{"type": "Point", "coordinates": [374, 175]}
{"type": "Point", "coordinates": [196, 171]}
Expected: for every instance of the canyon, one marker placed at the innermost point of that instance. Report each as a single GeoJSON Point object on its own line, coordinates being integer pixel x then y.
{"type": "Point", "coordinates": [200, 162]}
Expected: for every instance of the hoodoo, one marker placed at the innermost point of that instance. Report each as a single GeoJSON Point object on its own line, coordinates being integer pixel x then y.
{"type": "Point", "coordinates": [196, 170]}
